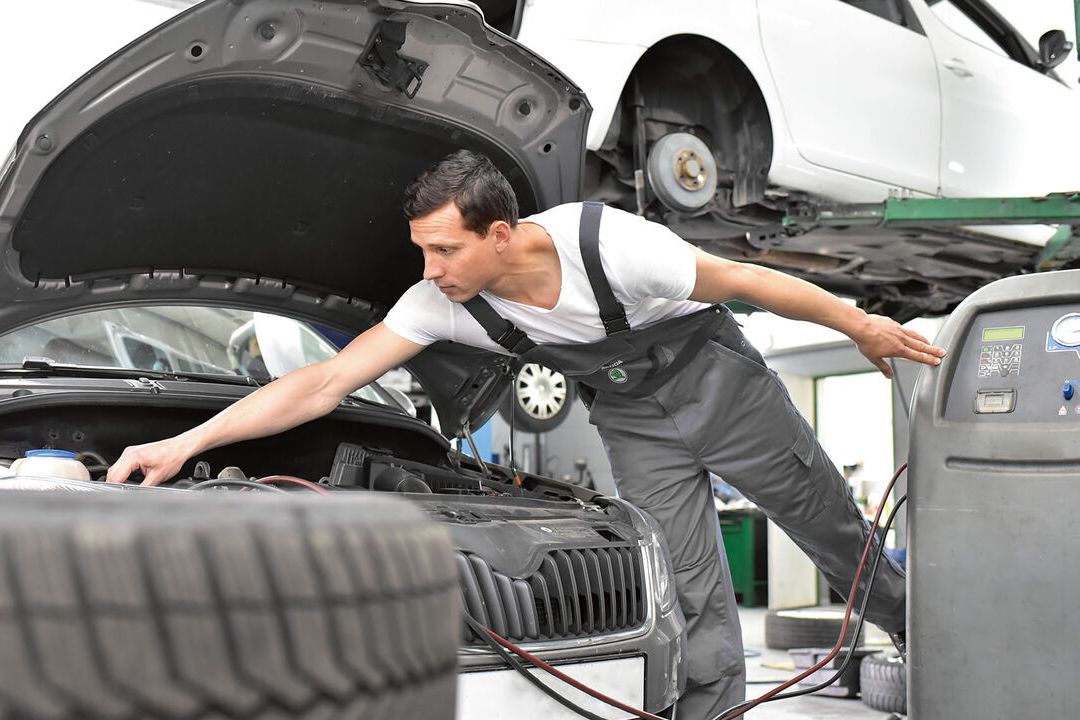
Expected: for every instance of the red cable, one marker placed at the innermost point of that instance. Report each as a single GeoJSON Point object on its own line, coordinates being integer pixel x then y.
{"type": "Point", "coordinates": [569, 680]}
{"type": "Point", "coordinates": [290, 480]}
{"type": "Point", "coordinates": [757, 701]}
{"type": "Point", "coordinates": [847, 613]}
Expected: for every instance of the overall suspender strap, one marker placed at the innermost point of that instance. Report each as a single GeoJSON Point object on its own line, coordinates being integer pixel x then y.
{"type": "Point", "coordinates": [503, 332]}
{"type": "Point", "coordinates": [689, 351]}
{"type": "Point", "coordinates": [612, 314]}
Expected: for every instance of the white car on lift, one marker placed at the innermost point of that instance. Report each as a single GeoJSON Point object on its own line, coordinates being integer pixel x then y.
{"type": "Point", "coordinates": [716, 116]}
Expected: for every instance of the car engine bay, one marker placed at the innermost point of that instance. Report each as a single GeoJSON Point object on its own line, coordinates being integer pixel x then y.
{"type": "Point", "coordinates": [352, 449]}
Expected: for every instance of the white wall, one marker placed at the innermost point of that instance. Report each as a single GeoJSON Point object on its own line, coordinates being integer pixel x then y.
{"type": "Point", "coordinates": [854, 426]}
{"type": "Point", "coordinates": [49, 44]}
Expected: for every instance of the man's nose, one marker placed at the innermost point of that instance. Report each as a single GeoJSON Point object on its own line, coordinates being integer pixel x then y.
{"type": "Point", "coordinates": [432, 269]}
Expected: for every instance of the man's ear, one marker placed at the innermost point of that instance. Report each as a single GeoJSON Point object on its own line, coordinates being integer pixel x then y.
{"type": "Point", "coordinates": [499, 231]}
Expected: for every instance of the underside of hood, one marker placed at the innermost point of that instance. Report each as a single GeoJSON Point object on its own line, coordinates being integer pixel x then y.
{"type": "Point", "coordinates": [253, 154]}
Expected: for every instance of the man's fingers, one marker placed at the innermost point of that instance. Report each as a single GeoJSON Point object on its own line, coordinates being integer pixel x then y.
{"type": "Point", "coordinates": [923, 344]}
{"type": "Point", "coordinates": [927, 348]}
{"type": "Point", "coordinates": [922, 357]}
{"type": "Point", "coordinates": [884, 367]}
{"type": "Point", "coordinates": [120, 470]}
{"type": "Point", "coordinates": [912, 334]}
{"type": "Point", "coordinates": [154, 477]}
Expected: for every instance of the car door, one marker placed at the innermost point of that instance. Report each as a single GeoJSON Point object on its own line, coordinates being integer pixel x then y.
{"type": "Point", "coordinates": [1007, 127]}
{"type": "Point", "coordinates": [858, 87]}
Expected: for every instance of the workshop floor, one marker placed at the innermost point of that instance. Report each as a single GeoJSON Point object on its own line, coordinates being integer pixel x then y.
{"type": "Point", "coordinates": [763, 669]}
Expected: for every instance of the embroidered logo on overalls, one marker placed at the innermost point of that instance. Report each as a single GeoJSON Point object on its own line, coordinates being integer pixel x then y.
{"type": "Point", "coordinates": [617, 376]}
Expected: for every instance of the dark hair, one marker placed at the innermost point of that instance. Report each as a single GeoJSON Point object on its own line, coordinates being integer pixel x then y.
{"type": "Point", "coordinates": [481, 193]}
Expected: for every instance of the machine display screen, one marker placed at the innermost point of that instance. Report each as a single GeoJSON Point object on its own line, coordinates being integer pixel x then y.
{"type": "Point", "coordinates": [1003, 333]}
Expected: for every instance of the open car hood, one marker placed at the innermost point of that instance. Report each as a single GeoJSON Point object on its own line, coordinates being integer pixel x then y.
{"type": "Point", "coordinates": [253, 154]}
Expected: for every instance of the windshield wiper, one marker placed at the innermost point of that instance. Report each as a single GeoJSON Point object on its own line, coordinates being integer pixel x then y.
{"type": "Point", "coordinates": [44, 366]}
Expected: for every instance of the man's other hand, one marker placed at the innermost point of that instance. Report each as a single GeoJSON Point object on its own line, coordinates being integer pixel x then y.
{"type": "Point", "coordinates": [881, 338]}
{"type": "Point", "coordinates": [158, 461]}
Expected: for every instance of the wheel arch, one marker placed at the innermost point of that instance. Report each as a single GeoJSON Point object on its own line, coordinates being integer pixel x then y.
{"type": "Point", "coordinates": [701, 80]}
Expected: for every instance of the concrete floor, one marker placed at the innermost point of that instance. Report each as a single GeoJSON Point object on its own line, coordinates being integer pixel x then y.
{"type": "Point", "coordinates": [762, 668]}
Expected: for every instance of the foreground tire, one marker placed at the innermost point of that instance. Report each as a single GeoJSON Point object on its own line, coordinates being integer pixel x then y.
{"type": "Point", "coordinates": [816, 627]}
{"type": "Point", "coordinates": [146, 605]}
{"type": "Point", "coordinates": [542, 399]}
{"type": "Point", "coordinates": [883, 683]}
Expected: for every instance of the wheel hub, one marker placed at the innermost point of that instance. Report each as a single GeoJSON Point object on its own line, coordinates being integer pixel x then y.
{"type": "Point", "coordinates": [541, 391]}
{"type": "Point", "coordinates": [689, 170]}
{"type": "Point", "coordinates": [682, 172]}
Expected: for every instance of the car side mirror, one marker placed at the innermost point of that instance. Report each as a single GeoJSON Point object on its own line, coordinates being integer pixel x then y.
{"type": "Point", "coordinates": [1054, 47]}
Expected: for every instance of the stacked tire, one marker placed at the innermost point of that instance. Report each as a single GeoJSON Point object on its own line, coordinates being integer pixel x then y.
{"type": "Point", "coordinates": [224, 605]}
{"type": "Point", "coordinates": [813, 627]}
{"type": "Point", "coordinates": [883, 683]}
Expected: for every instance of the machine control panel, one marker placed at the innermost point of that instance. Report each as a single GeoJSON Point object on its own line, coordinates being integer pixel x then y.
{"type": "Point", "coordinates": [1019, 365]}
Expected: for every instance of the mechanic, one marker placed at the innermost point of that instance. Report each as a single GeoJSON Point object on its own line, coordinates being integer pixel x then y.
{"type": "Point", "coordinates": [632, 311]}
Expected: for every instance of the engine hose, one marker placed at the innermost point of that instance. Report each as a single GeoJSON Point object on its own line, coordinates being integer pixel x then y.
{"type": "Point", "coordinates": [234, 483]}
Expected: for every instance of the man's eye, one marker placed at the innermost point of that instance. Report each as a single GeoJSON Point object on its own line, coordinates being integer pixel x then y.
{"type": "Point", "coordinates": [444, 251]}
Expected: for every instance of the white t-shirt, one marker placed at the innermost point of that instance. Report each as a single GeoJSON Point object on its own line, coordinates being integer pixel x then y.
{"type": "Point", "coordinates": [651, 271]}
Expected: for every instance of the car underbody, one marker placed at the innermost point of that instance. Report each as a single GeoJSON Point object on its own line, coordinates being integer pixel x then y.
{"type": "Point", "coordinates": [903, 273]}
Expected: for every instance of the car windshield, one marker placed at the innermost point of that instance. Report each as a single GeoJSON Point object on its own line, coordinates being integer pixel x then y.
{"type": "Point", "coordinates": [186, 339]}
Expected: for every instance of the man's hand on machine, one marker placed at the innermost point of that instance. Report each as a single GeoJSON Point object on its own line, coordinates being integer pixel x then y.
{"type": "Point", "coordinates": [880, 337]}
{"type": "Point", "coordinates": [158, 461]}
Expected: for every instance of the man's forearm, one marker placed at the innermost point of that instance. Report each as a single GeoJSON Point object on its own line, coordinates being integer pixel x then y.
{"type": "Point", "coordinates": [797, 299]}
{"type": "Point", "coordinates": [878, 338]}
{"type": "Point", "coordinates": [289, 401]}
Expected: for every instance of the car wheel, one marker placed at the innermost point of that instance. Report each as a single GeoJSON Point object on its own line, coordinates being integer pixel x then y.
{"type": "Point", "coordinates": [814, 627]}
{"type": "Point", "coordinates": [154, 604]}
{"type": "Point", "coordinates": [883, 683]}
{"type": "Point", "coordinates": [542, 399]}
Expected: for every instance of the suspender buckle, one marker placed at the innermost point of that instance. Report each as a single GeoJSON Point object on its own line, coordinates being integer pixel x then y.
{"type": "Point", "coordinates": [515, 341]}
{"type": "Point", "coordinates": [613, 325]}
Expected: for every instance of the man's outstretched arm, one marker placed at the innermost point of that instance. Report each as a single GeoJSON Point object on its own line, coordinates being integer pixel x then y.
{"type": "Point", "coordinates": [302, 395]}
{"type": "Point", "coordinates": [876, 336]}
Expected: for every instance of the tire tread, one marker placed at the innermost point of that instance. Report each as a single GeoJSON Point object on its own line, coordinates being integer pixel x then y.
{"type": "Point", "coordinates": [155, 607]}
{"type": "Point", "coordinates": [883, 683]}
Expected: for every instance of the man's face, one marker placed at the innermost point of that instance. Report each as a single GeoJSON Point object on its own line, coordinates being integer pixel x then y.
{"type": "Point", "coordinates": [460, 262]}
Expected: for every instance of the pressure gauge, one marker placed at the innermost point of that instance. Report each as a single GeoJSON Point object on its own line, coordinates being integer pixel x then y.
{"type": "Point", "coordinates": [1066, 330]}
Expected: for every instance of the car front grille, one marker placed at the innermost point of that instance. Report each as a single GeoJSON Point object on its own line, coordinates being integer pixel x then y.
{"type": "Point", "coordinates": [577, 593]}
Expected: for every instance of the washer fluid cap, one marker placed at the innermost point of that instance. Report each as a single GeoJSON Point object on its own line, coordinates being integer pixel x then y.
{"type": "Point", "coordinates": [51, 453]}
{"type": "Point", "coordinates": [51, 464]}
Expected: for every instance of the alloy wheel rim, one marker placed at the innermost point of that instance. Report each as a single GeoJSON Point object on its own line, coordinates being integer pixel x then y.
{"type": "Point", "coordinates": [541, 391]}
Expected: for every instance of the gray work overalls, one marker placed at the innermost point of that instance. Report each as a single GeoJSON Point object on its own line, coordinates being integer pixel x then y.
{"type": "Point", "coordinates": [689, 395]}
